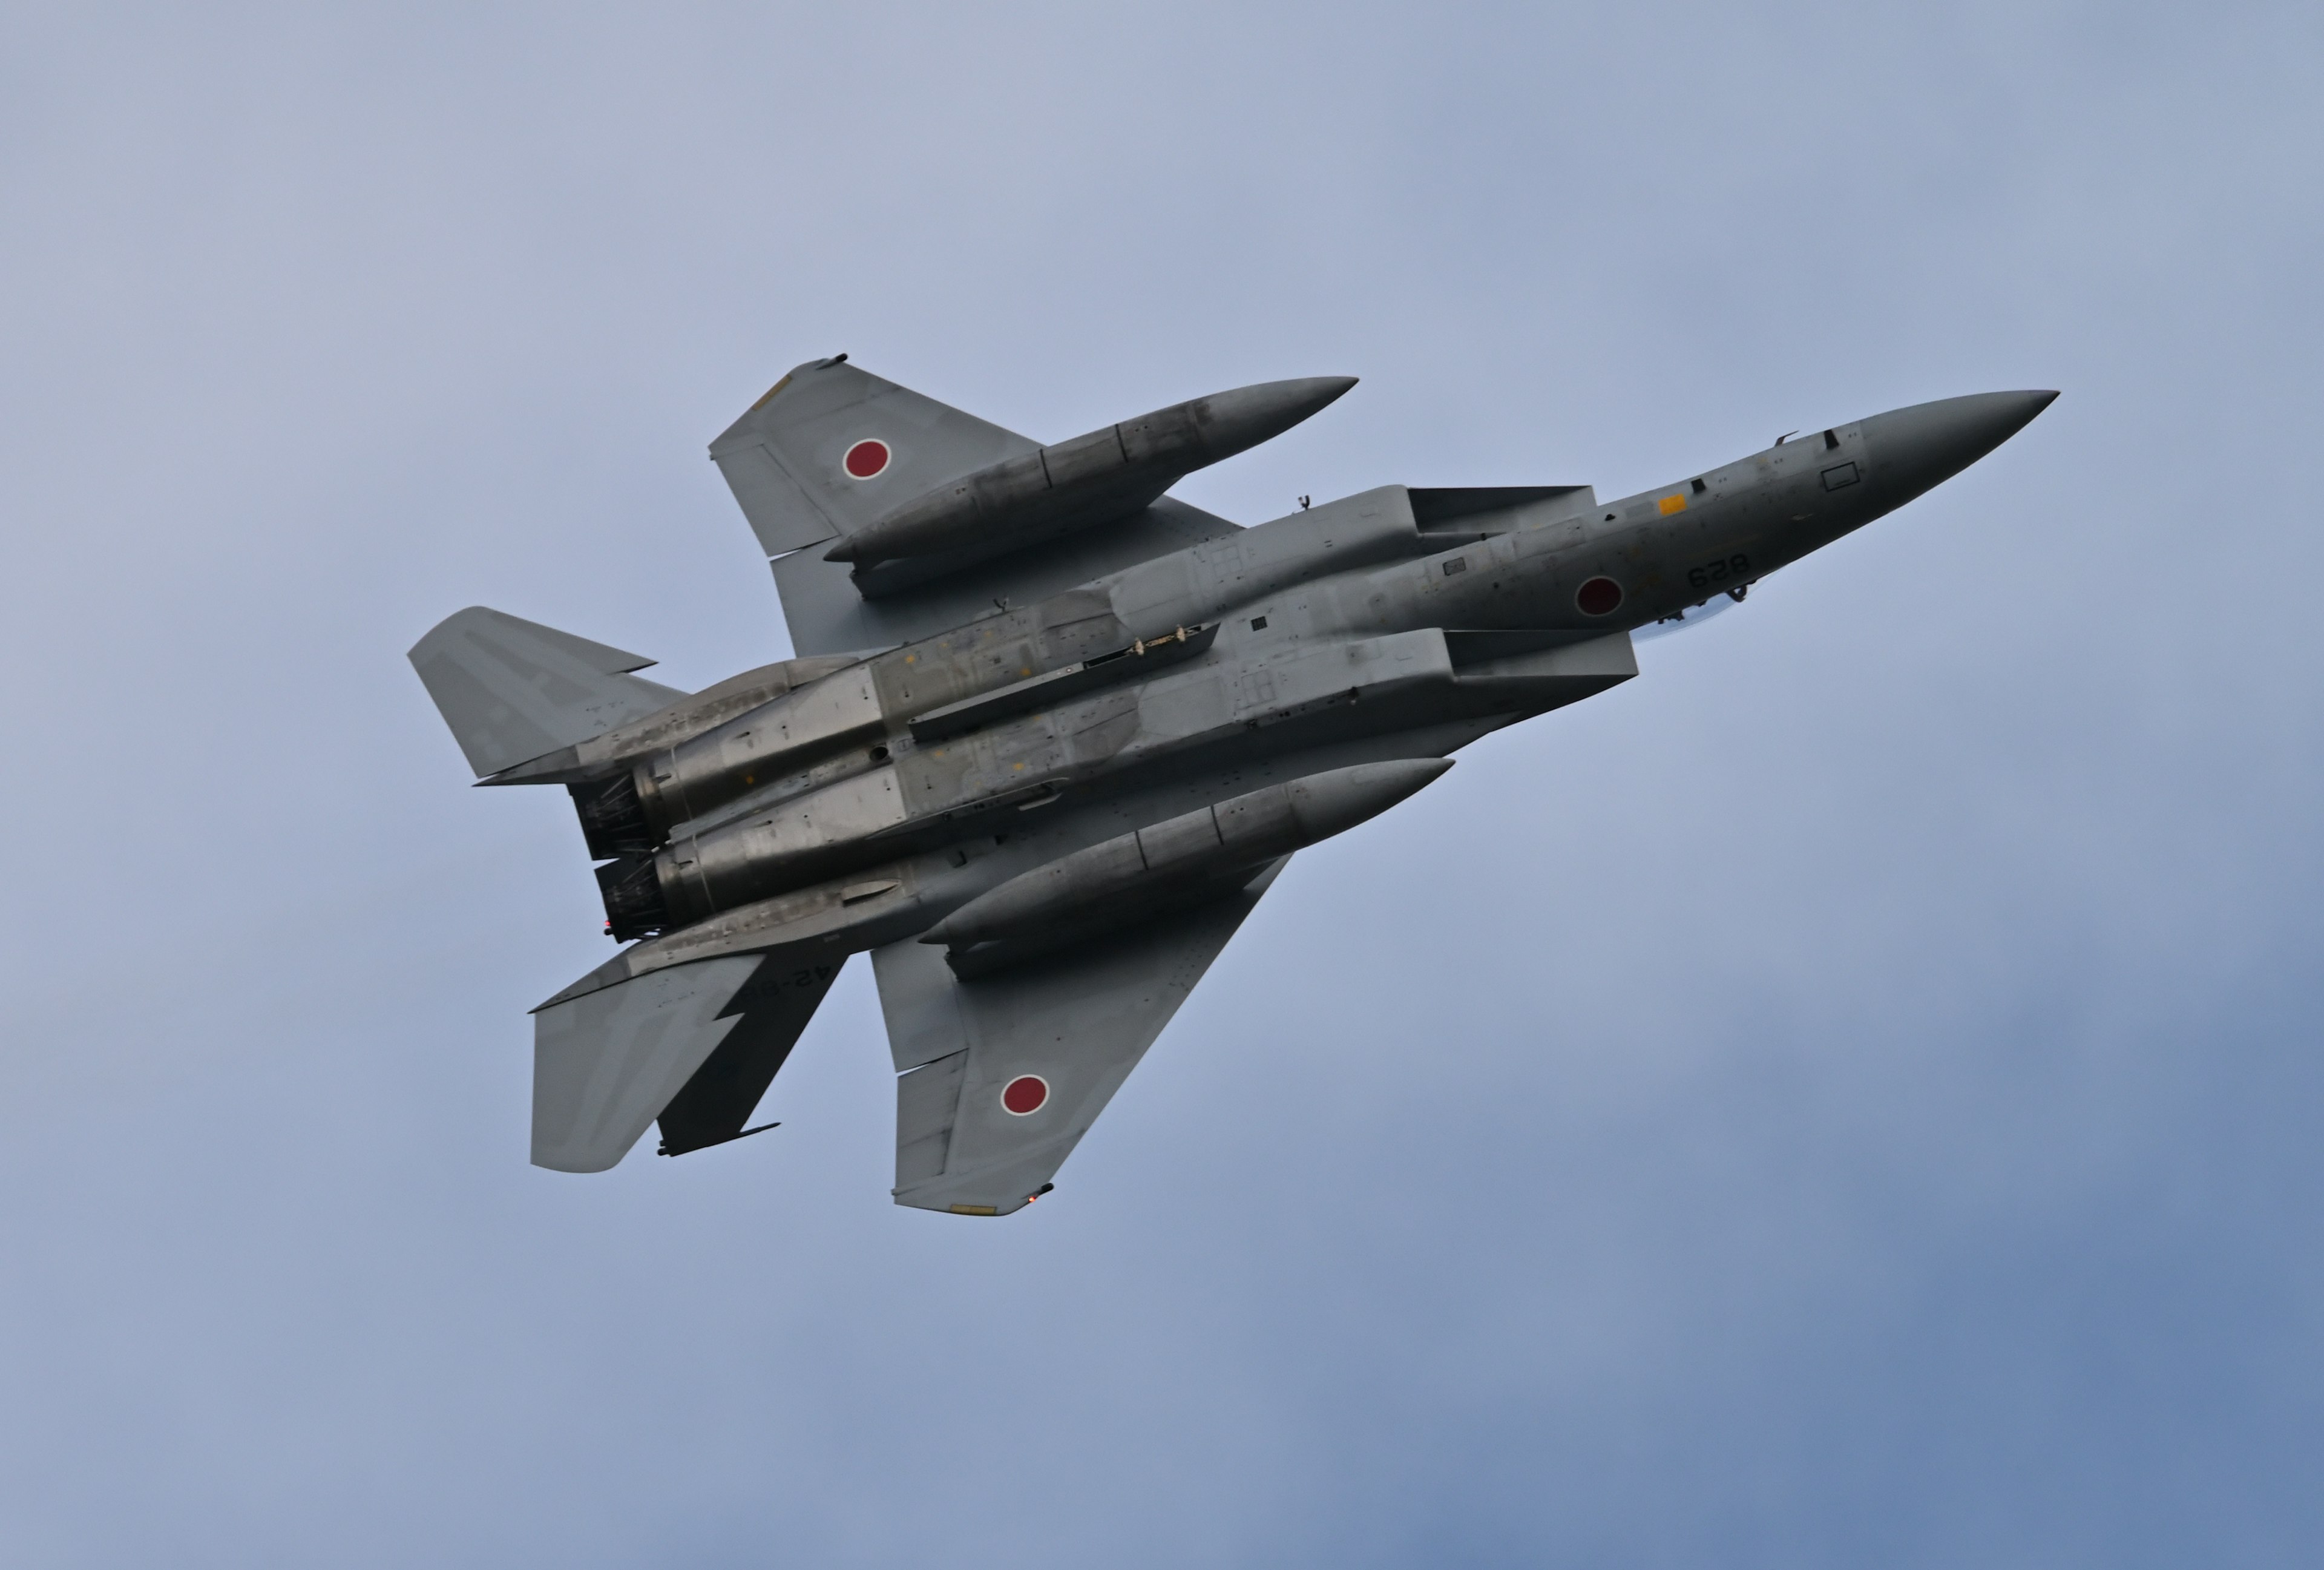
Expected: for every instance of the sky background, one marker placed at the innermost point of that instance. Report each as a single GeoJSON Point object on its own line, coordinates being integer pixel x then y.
{"type": "Point", "coordinates": [1849, 1097]}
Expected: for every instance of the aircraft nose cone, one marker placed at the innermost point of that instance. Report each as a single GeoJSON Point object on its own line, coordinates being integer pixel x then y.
{"type": "Point", "coordinates": [1914, 449]}
{"type": "Point", "coordinates": [1240, 418]}
{"type": "Point", "coordinates": [1275, 406]}
{"type": "Point", "coordinates": [1324, 389]}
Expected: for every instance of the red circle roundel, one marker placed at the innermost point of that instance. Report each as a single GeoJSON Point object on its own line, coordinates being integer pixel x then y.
{"type": "Point", "coordinates": [1025, 1094]}
{"type": "Point", "coordinates": [867, 458]}
{"type": "Point", "coordinates": [1599, 596]}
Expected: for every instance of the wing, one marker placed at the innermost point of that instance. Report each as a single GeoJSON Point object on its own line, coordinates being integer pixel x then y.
{"type": "Point", "coordinates": [972, 1136]}
{"type": "Point", "coordinates": [695, 1046]}
{"type": "Point", "coordinates": [788, 458]}
{"type": "Point", "coordinates": [827, 614]}
{"type": "Point", "coordinates": [830, 447]}
{"type": "Point", "coordinates": [512, 690]}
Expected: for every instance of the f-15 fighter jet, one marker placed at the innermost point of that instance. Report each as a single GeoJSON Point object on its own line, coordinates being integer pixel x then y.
{"type": "Point", "coordinates": [1050, 733]}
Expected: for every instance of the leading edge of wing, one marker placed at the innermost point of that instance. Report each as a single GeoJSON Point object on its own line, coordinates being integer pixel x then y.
{"type": "Point", "coordinates": [1078, 1022]}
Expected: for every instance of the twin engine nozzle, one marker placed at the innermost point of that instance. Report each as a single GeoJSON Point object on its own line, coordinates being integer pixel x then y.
{"type": "Point", "coordinates": [635, 811]}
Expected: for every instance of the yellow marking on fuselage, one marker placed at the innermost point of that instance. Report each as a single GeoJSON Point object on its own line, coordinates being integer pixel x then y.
{"type": "Point", "coordinates": [1672, 504]}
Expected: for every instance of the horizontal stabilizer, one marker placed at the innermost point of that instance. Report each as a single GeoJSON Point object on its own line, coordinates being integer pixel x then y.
{"type": "Point", "coordinates": [695, 1046]}
{"type": "Point", "coordinates": [606, 1064]}
{"type": "Point", "coordinates": [774, 1006]}
{"type": "Point", "coordinates": [512, 690]}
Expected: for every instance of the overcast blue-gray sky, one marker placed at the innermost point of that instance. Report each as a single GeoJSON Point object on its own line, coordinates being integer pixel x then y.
{"type": "Point", "coordinates": [1847, 1097]}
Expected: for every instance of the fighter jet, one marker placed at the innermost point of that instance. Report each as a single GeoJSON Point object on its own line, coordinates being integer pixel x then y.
{"type": "Point", "coordinates": [1050, 733]}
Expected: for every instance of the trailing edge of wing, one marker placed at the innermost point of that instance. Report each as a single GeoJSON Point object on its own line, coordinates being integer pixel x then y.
{"type": "Point", "coordinates": [826, 614]}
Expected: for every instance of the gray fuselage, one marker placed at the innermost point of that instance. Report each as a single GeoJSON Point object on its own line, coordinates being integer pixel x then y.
{"type": "Point", "coordinates": [862, 805]}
